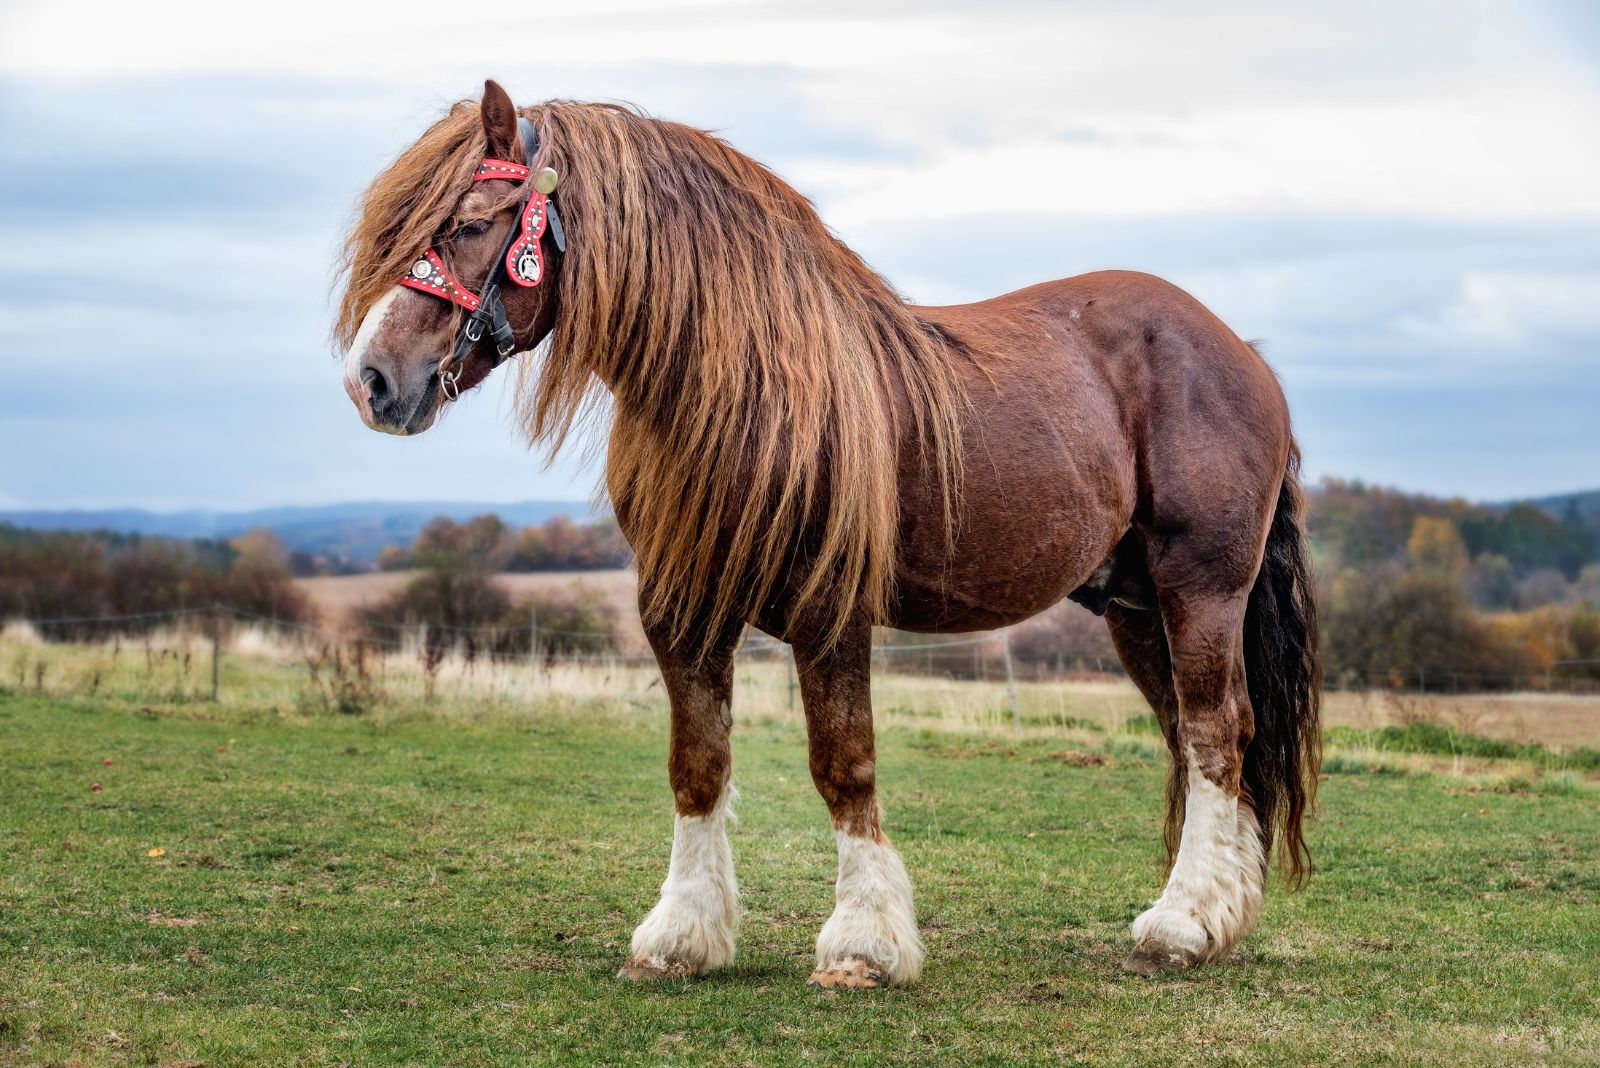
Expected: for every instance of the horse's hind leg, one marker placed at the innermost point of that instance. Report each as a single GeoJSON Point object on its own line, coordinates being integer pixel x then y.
{"type": "Point", "coordinates": [1141, 643]}
{"type": "Point", "coordinates": [691, 929]}
{"type": "Point", "coordinates": [1213, 893]}
{"type": "Point", "coordinates": [871, 938]}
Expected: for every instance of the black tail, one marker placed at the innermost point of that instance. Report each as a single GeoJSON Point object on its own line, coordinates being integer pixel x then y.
{"type": "Point", "coordinates": [1284, 673]}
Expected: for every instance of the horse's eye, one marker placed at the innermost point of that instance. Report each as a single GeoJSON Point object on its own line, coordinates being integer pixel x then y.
{"type": "Point", "coordinates": [471, 229]}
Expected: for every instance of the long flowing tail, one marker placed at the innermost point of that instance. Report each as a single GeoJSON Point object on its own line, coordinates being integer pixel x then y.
{"type": "Point", "coordinates": [1284, 673]}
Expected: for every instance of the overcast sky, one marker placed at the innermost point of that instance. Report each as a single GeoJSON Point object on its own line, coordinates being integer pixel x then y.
{"type": "Point", "coordinates": [1401, 200]}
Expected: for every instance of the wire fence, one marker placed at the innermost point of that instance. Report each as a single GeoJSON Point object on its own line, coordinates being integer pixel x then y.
{"type": "Point", "coordinates": [986, 656]}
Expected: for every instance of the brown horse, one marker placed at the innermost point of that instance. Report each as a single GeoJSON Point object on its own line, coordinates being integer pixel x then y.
{"type": "Point", "coordinates": [794, 448]}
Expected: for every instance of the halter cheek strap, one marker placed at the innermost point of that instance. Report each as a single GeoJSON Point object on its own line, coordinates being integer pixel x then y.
{"type": "Point", "coordinates": [519, 259]}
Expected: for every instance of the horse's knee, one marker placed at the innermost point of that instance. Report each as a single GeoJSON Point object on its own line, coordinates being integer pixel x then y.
{"type": "Point", "coordinates": [847, 782]}
{"type": "Point", "coordinates": [699, 776]}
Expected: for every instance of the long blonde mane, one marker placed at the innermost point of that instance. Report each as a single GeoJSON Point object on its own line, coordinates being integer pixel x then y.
{"type": "Point", "coordinates": [764, 378]}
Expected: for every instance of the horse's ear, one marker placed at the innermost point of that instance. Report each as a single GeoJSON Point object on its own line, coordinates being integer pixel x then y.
{"type": "Point", "coordinates": [499, 121]}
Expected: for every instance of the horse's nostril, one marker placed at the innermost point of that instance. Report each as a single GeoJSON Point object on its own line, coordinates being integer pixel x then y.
{"type": "Point", "coordinates": [377, 385]}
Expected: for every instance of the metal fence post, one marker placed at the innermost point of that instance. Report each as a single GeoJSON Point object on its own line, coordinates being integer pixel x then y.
{"type": "Point", "coordinates": [1011, 680]}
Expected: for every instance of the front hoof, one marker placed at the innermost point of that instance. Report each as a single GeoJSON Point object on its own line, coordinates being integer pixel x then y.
{"type": "Point", "coordinates": [1153, 958]}
{"type": "Point", "coordinates": [850, 974]}
{"type": "Point", "coordinates": [643, 969]}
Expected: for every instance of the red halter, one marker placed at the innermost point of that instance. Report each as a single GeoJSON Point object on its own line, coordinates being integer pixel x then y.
{"type": "Point", "coordinates": [523, 263]}
{"type": "Point", "coordinates": [519, 259]}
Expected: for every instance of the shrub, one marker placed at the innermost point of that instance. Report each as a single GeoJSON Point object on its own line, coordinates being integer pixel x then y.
{"type": "Point", "coordinates": [572, 621]}
{"type": "Point", "coordinates": [1543, 587]}
{"type": "Point", "coordinates": [1386, 624]}
{"type": "Point", "coordinates": [467, 607]}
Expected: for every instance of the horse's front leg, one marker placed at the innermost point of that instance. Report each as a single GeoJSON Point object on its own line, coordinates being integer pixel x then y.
{"type": "Point", "coordinates": [691, 929]}
{"type": "Point", "coordinates": [871, 938]}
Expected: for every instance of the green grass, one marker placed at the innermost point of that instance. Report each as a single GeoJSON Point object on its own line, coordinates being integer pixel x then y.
{"type": "Point", "coordinates": [423, 889]}
{"type": "Point", "coordinates": [1443, 740]}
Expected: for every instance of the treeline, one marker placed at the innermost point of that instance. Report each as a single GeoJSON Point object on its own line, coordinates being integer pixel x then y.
{"type": "Point", "coordinates": [489, 545]}
{"type": "Point", "coordinates": [1478, 598]}
{"type": "Point", "coordinates": [77, 575]}
{"type": "Point", "coordinates": [1354, 525]}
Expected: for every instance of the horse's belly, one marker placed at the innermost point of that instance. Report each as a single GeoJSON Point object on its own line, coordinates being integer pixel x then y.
{"type": "Point", "coordinates": [1048, 490]}
{"type": "Point", "coordinates": [1016, 555]}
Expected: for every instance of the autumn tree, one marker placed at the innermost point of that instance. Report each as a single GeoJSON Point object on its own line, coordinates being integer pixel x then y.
{"type": "Point", "coordinates": [1436, 548]}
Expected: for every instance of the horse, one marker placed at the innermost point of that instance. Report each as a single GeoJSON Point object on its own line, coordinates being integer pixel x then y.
{"type": "Point", "coordinates": [794, 448]}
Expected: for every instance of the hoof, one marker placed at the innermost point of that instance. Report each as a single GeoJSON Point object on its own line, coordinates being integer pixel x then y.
{"type": "Point", "coordinates": [1152, 958]}
{"type": "Point", "coordinates": [644, 969]}
{"type": "Point", "coordinates": [849, 974]}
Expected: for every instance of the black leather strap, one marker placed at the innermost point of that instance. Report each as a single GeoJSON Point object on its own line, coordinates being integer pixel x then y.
{"type": "Point", "coordinates": [530, 141]}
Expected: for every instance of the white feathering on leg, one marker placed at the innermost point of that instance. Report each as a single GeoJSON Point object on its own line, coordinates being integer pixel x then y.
{"type": "Point", "coordinates": [874, 920]}
{"type": "Point", "coordinates": [1213, 895]}
{"type": "Point", "coordinates": [691, 929]}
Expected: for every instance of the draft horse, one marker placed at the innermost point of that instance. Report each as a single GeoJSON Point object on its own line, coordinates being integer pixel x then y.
{"type": "Point", "coordinates": [794, 448]}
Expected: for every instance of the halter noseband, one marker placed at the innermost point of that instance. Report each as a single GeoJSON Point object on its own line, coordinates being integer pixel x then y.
{"type": "Point", "coordinates": [518, 259]}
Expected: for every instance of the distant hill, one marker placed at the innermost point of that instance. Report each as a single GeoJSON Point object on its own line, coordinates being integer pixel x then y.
{"type": "Point", "coordinates": [1588, 502]}
{"type": "Point", "coordinates": [356, 530]}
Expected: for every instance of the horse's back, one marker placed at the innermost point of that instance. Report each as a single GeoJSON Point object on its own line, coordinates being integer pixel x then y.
{"type": "Point", "coordinates": [1096, 402]}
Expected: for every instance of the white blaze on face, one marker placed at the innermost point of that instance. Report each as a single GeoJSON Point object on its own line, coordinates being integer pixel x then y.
{"type": "Point", "coordinates": [356, 357]}
{"type": "Point", "coordinates": [1213, 895]}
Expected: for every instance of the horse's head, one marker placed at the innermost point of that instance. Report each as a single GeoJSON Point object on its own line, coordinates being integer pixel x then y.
{"type": "Point", "coordinates": [451, 266]}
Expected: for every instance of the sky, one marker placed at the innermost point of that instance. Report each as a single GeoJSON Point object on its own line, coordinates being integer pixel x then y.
{"type": "Point", "coordinates": [1399, 199]}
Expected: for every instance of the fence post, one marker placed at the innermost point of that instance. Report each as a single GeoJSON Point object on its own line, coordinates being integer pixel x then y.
{"type": "Point", "coordinates": [533, 636]}
{"type": "Point", "coordinates": [1011, 680]}
{"type": "Point", "coordinates": [216, 650]}
{"type": "Point", "coordinates": [792, 680]}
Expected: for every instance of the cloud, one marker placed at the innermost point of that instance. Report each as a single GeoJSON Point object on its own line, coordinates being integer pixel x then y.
{"type": "Point", "coordinates": [1403, 200]}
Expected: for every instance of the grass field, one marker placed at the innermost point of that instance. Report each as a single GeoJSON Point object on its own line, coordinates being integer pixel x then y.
{"type": "Point", "coordinates": [456, 884]}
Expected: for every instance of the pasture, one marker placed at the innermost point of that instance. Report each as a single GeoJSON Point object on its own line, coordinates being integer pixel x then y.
{"type": "Point", "coordinates": [263, 880]}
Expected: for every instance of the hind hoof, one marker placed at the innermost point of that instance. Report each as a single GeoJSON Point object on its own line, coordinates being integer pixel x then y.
{"type": "Point", "coordinates": [1152, 958]}
{"type": "Point", "coordinates": [850, 974]}
{"type": "Point", "coordinates": [646, 969]}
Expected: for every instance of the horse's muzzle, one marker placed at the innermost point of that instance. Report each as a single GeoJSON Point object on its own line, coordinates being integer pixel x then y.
{"type": "Point", "coordinates": [391, 408]}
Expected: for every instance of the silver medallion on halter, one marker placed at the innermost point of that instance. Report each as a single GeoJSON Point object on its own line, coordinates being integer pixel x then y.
{"type": "Point", "coordinates": [528, 264]}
